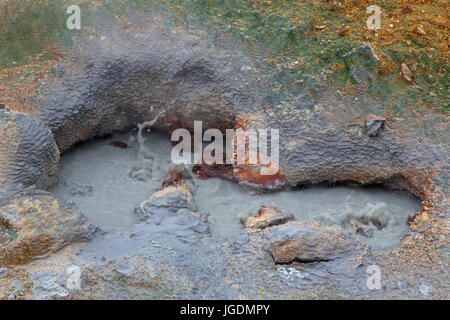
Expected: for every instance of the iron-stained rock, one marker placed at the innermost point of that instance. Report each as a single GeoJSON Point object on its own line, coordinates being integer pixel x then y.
{"type": "Point", "coordinates": [406, 73]}
{"type": "Point", "coordinates": [34, 225]}
{"type": "Point", "coordinates": [267, 216]}
{"type": "Point", "coordinates": [172, 178]}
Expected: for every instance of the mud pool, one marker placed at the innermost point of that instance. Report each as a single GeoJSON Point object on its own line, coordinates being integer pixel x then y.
{"type": "Point", "coordinates": [107, 183]}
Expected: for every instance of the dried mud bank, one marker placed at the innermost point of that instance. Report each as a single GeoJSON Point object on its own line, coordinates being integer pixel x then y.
{"type": "Point", "coordinates": [112, 86]}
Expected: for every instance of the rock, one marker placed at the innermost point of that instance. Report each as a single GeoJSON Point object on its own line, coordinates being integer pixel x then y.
{"type": "Point", "coordinates": [405, 73]}
{"type": "Point", "coordinates": [46, 286]}
{"type": "Point", "coordinates": [28, 153]}
{"type": "Point", "coordinates": [363, 63]}
{"type": "Point", "coordinates": [186, 170]}
{"type": "Point", "coordinates": [366, 232]}
{"type": "Point", "coordinates": [374, 124]}
{"type": "Point", "coordinates": [204, 171]}
{"type": "Point", "coordinates": [426, 288]}
{"type": "Point", "coordinates": [16, 285]}
{"type": "Point", "coordinates": [320, 28]}
{"type": "Point", "coordinates": [307, 242]}
{"type": "Point", "coordinates": [419, 30]}
{"type": "Point", "coordinates": [267, 217]}
{"type": "Point", "coordinates": [171, 198]}
{"type": "Point", "coordinates": [172, 178]}
{"type": "Point", "coordinates": [344, 31]}
{"type": "Point", "coordinates": [3, 272]}
{"type": "Point", "coordinates": [173, 209]}
{"type": "Point", "coordinates": [407, 10]}
{"type": "Point", "coordinates": [119, 144]}
{"type": "Point", "coordinates": [411, 218]}
{"type": "Point", "coordinates": [125, 269]}
{"type": "Point", "coordinates": [34, 225]}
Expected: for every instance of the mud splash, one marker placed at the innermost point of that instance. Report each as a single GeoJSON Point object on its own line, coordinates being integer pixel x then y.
{"type": "Point", "coordinates": [108, 182]}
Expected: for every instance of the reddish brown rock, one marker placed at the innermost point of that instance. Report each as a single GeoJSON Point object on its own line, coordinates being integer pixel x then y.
{"type": "Point", "coordinates": [406, 73]}
{"type": "Point", "coordinates": [419, 30]}
{"type": "Point", "coordinates": [267, 217]}
{"type": "Point", "coordinates": [34, 225]}
{"type": "Point", "coordinates": [366, 232]}
{"type": "Point", "coordinates": [204, 171]}
{"type": "Point", "coordinates": [251, 176]}
{"type": "Point", "coordinates": [119, 144]}
{"type": "Point", "coordinates": [172, 178]}
{"type": "Point", "coordinates": [344, 31]}
{"type": "Point", "coordinates": [219, 170]}
{"type": "Point", "coordinates": [407, 10]}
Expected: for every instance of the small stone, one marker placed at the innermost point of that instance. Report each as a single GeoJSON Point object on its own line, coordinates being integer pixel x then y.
{"type": "Point", "coordinates": [406, 73]}
{"type": "Point", "coordinates": [119, 144]}
{"type": "Point", "coordinates": [374, 124]}
{"type": "Point", "coordinates": [172, 178]}
{"type": "Point", "coordinates": [125, 269]}
{"type": "Point", "coordinates": [267, 217]}
{"type": "Point", "coordinates": [170, 199]}
{"type": "Point", "coordinates": [366, 232]}
{"type": "Point", "coordinates": [3, 272]}
{"type": "Point", "coordinates": [411, 217]}
{"type": "Point", "coordinates": [419, 30]}
{"type": "Point", "coordinates": [46, 286]}
{"type": "Point", "coordinates": [17, 285]}
{"type": "Point", "coordinates": [363, 63]}
{"type": "Point", "coordinates": [402, 284]}
{"type": "Point", "coordinates": [344, 31]}
{"type": "Point", "coordinates": [407, 10]}
{"type": "Point", "coordinates": [320, 28]}
{"type": "Point", "coordinates": [426, 288]}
